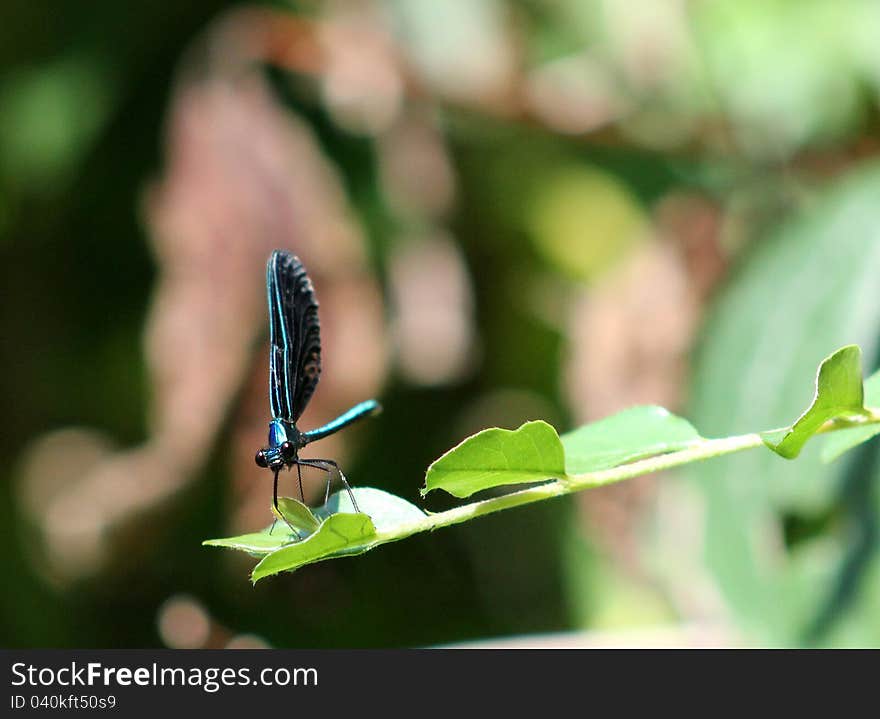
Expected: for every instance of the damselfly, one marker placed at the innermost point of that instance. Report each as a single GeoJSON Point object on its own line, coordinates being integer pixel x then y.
{"type": "Point", "coordinates": [294, 369]}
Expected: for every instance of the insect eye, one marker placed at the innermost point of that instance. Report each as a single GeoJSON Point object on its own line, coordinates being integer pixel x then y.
{"type": "Point", "coordinates": [287, 450]}
{"type": "Point", "coordinates": [260, 459]}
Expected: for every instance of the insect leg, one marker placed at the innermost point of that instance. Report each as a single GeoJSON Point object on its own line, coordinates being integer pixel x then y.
{"type": "Point", "coordinates": [299, 478]}
{"type": "Point", "coordinates": [325, 464]}
{"type": "Point", "coordinates": [277, 509]}
{"type": "Point", "coordinates": [315, 465]}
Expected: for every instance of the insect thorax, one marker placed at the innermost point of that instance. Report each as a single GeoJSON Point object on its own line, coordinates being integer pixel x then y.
{"type": "Point", "coordinates": [281, 431]}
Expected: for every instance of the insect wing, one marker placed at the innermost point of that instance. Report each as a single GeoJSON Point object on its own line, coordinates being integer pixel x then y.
{"type": "Point", "coordinates": [294, 336]}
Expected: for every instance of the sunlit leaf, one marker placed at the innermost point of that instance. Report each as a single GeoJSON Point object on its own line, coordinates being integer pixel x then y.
{"type": "Point", "coordinates": [629, 435]}
{"type": "Point", "coordinates": [300, 523]}
{"type": "Point", "coordinates": [297, 514]}
{"type": "Point", "coordinates": [498, 457]}
{"type": "Point", "coordinates": [385, 509]}
{"type": "Point", "coordinates": [337, 533]}
{"type": "Point", "coordinates": [386, 513]}
{"type": "Point", "coordinates": [839, 393]}
{"type": "Point", "coordinates": [844, 440]}
{"type": "Point", "coordinates": [257, 543]}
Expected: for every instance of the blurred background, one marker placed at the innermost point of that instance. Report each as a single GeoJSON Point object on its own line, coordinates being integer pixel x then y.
{"type": "Point", "coordinates": [511, 210]}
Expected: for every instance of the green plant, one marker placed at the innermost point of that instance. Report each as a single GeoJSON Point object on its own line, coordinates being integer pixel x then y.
{"type": "Point", "coordinates": [637, 441]}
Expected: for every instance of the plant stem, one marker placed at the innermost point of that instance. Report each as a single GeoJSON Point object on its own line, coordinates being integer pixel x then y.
{"type": "Point", "coordinates": [569, 484]}
{"type": "Point", "coordinates": [703, 449]}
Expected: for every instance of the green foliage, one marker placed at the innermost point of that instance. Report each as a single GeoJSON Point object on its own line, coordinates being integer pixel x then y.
{"type": "Point", "coordinates": [333, 530]}
{"type": "Point", "coordinates": [810, 284]}
{"type": "Point", "coordinates": [839, 395]}
{"type": "Point", "coordinates": [48, 118]}
{"type": "Point", "coordinates": [336, 536]}
{"type": "Point", "coordinates": [633, 434]}
{"type": "Point", "coordinates": [843, 441]}
{"type": "Point", "coordinates": [297, 515]}
{"type": "Point", "coordinates": [637, 441]}
{"type": "Point", "coordinates": [498, 457]}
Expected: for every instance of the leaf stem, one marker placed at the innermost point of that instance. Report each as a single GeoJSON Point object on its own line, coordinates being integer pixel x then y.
{"type": "Point", "coordinates": [703, 449]}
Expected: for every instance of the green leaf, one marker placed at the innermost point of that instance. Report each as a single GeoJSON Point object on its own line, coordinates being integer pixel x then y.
{"type": "Point", "coordinates": [257, 543]}
{"type": "Point", "coordinates": [845, 439]}
{"type": "Point", "coordinates": [278, 534]}
{"type": "Point", "coordinates": [388, 511]}
{"type": "Point", "coordinates": [806, 286]}
{"type": "Point", "coordinates": [839, 393]}
{"type": "Point", "coordinates": [297, 514]}
{"type": "Point", "coordinates": [338, 533]}
{"type": "Point", "coordinates": [498, 457]}
{"type": "Point", "coordinates": [627, 436]}
{"type": "Point", "coordinates": [389, 515]}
